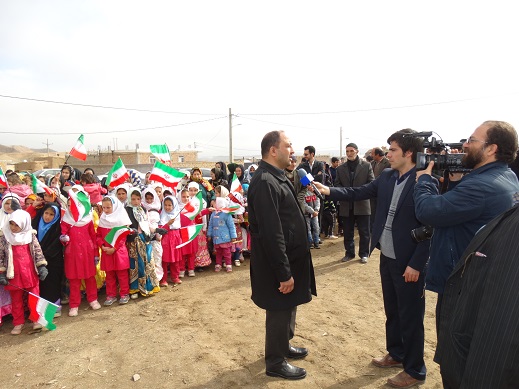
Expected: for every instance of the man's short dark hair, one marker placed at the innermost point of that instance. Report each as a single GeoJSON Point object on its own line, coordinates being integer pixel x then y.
{"type": "Point", "coordinates": [310, 149]}
{"type": "Point", "coordinates": [407, 142]}
{"type": "Point", "coordinates": [378, 151]}
{"type": "Point", "coordinates": [335, 159]}
{"type": "Point", "coordinates": [271, 139]}
{"type": "Point", "coordinates": [504, 136]}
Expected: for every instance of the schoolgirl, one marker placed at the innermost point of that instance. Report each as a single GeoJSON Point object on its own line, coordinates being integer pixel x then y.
{"type": "Point", "coordinates": [171, 256]}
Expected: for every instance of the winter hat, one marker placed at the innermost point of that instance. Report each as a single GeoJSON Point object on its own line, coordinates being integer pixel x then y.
{"type": "Point", "coordinates": [352, 145]}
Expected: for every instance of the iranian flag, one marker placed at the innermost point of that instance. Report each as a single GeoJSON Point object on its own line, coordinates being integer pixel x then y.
{"type": "Point", "coordinates": [193, 207]}
{"type": "Point", "coordinates": [231, 208]}
{"type": "Point", "coordinates": [235, 184]}
{"type": "Point", "coordinates": [79, 205]}
{"type": "Point", "coordinates": [165, 175]}
{"type": "Point", "coordinates": [117, 174]}
{"type": "Point", "coordinates": [187, 234]}
{"type": "Point", "coordinates": [39, 187]}
{"type": "Point", "coordinates": [79, 150]}
{"type": "Point", "coordinates": [116, 234]}
{"type": "Point", "coordinates": [162, 153]}
{"type": "Point", "coordinates": [42, 311]}
{"type": "Point", "coordinates": [3, 180]}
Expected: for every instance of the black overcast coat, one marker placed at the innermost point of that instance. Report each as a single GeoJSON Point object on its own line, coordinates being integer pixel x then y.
{"type": "Point", "coordinates": [280, 247]}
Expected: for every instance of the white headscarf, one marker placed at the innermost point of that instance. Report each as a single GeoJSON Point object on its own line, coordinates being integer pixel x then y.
{"type": "Point", "coordinates": [4, 216]}
{"type": "Point", "coordinates": [22, 220]}
{"type": "Point", "coordinates": [165, 216]}
{"type": "Point", "coordinates": [117, 218]}
{"type": "Point", "coordinates": [138, 211]}
{"type": "Point", "coordinates": [126, 186]}
{"type": "Point", "coordinates": [155, 205]}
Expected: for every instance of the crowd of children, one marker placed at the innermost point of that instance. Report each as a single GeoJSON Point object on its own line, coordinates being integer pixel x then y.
{"type": "Point", "coordinates": [60, 245]}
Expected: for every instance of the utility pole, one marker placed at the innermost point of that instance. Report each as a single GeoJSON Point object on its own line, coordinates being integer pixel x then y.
{"type": "Point", "coordinates": [340, 144]}
{"type": "Point", "coordinates": [231, 157]}
{"type": "Point", "coordinates": [47, 144]}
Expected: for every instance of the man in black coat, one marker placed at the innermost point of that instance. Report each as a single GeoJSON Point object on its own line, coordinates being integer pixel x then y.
{"type": "Point", "coordinates": [281, 272]}
{"type": "Point", "coordinates": [402, 260]}
{"type": "Point", "coordinates": [478, 338]}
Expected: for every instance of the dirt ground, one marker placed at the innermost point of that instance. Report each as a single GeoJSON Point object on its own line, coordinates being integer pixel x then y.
{"type": "Point", "coordinates": [207, 333]}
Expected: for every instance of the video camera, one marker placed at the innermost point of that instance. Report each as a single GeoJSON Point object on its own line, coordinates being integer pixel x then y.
{"type": "Point", "coordinates": [442, 162]}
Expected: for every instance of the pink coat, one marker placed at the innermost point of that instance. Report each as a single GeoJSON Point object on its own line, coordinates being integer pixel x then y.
{"type": "Point", "coordinates": [95, 191]}
{"type": "Point", "coordinates": [80, 251]}
{"type": "Point", "coordinates": [119, 260]}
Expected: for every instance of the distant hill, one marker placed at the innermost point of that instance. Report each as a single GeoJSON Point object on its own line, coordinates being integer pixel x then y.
{"type": "Point", "coordinates": [21, 149]}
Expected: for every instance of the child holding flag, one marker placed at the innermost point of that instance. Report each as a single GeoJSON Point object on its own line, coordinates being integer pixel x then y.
{"type": "Point", "coordinates": [171, 256]}
{"type": "Point", "coordinates": [21, 264]}
{"type": "Point", "coordinates": [223, 233]}
{"type": "Point", "coordinates": [202, 256]}
{"type": "Point", "coordinates": [114, 257]}
{"type": "Point", "coordinates": [151, 203]}
{"type": "Point", "coordinates": [79, 238]}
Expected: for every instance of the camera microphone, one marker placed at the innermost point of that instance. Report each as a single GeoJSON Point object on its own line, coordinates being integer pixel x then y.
{"type": "Point", "coordinates": [307, 179]}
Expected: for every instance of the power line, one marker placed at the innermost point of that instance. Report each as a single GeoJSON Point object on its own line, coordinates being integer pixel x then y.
{"type": "Point", "coordinates": [106, 107]}
{"type": "Point", "coordinates": [113, 131]}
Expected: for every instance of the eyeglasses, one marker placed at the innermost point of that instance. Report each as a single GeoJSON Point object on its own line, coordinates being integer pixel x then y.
{"type": "Point", "coordinates": [472, 140]}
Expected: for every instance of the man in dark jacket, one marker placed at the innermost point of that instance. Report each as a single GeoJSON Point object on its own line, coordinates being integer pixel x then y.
{"type": "Point", "coordinates": [281, 272]}
{"type": "Point", "coordinates": [355, 172]}
{"type": "Point", "coordinates": [478, 338]}
{"type": "Point", "coordinates": [402, 260]}
{"type": "Point", "coordinates": [311, 165]}
{"type": "Point", "coordinates": [468, 204]}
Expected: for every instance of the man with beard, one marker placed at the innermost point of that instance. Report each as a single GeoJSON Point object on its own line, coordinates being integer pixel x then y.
{"type": "Point", "coordinates": [469, 203]}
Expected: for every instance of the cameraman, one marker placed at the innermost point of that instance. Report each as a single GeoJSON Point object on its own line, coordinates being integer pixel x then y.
{"type": "Point", "coordinates": [470, 202]}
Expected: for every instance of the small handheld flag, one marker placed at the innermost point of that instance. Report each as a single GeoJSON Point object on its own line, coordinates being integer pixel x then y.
{"type": "Point", "coordinates": [116, 234]}
{"type": "Point", "coordinates": [79, 205]}
{"type": "Point", "coordinates": [39, 187]}
{"type": "Point", "coordinates": [187, 234]}
{"type": "Point", "coordinates": [117, 174]}
{"type": "Point", "coordinates": [161, 152]}
{"type": "Point", "coordinates": [236, 184]}
{"type": "Point", "coordinates": [3, 179]}
{"type": "Point", "coordinates": [193, 207]}
{"type": "Point", "coordinates": [79, 150]}
{"type": "Point", "coordinates": [165, 175]}
{"type": "Point", "coordinates": [42, 311]}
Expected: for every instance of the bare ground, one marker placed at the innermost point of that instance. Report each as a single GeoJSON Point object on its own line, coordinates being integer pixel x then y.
{"type": "Point", "coordinates": [207, 333]}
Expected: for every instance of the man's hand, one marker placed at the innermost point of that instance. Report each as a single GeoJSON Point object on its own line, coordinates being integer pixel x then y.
{"type": "Point", "coordinates": [322, 188]}
{"type": "Point", "coordinates": [426, 171]}
{"type": "Point", "coordinates": [286, 287]}
{"type": "Point", "coordinates": [410, 274]}
{"type": "Point", "coordinates": [455, 176]}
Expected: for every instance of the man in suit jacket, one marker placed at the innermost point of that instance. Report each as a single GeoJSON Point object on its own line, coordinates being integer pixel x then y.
{"type": "Point", "coordinates": [311, 165]}
{"type": "Point", "coordinates": [355, 172]}
{"type": "Point", "coordinates": [478, 338]}
{"type": "Point", "coordinates": [402, 260]}
{"type": "Point", "coordinates": [379, 163]}
{"type": "Point", "coordinates": [281, 270]}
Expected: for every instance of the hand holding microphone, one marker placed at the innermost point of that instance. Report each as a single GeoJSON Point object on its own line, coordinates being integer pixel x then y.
{"type": "Point", "coordinates": [307, 179]}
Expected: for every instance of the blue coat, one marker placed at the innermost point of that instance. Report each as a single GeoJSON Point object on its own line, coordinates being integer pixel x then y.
{"type": "Point", "coordinates": [459, 213]}
{"type": "Point", "coordinates": [221, 228]}
{"type": "Point", "coordinates": [407, 252]}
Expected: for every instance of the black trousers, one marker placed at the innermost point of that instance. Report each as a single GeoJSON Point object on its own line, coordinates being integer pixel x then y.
{"type": "Point", "coordinates": [348, 224]}
{"type": "Point", "coordinates": [280, 327]}
{"type": "Point", "coordinates": [404, 305]}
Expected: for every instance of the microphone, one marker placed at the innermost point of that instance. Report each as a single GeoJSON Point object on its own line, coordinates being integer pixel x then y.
{"type": "Point", "coordinates": [307, 179]}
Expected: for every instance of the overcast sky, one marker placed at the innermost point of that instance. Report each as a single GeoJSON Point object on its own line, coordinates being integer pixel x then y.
{"type": "Point", "coordinates": [309, 68]}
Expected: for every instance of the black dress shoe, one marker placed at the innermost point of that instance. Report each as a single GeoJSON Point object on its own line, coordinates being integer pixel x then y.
{"type": "Point", "coordinates": [287, 371]}
{"type": "Point", "coordinates": [297, 352]}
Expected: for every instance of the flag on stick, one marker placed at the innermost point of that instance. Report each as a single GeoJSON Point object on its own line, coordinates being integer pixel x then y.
{"type": "Point", "coordinates": [116, 234]}
{"type": "Point", "coordinates": [42, 311]}
{"type": "Point", "coordinates": [193, 207]}
{"type": "Point", "coordinates": [40, 187]}
{"type": "Point", "coordinates": [165, 175]}
{"type": "Point", "coordinates": [187, 234]}
{"type": "Point", "coordinates": [79, 150]}
{"type": "Point", "coordinates": [161, 152]}
{"type": "Point", "coordinates": [231, 208]}
{"type": "Point", "coordinates": [80, 204]}
{"type": "Point", "coordinates": [117, 174]}
{"type": "Point", "coordinates": [3, 179]}
{"type": "Point", "coordinates": [236, 184]}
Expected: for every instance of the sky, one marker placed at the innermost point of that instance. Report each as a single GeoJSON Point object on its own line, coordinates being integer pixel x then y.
{"type": "Point", "coordinates": [173, 69]}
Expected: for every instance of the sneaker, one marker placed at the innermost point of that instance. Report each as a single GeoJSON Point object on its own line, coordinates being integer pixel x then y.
{"type": "Point", "coordinates": [237, 263]}
{"type": "Point", "coordinates": [17, 330]}
{"type": "Point", "coordinates": [190, 273]}
{"type": "Point", "coordinates": [163, 284]}
{"type": "Point", "coordinates": [110, 300]}
{"type": "Point", "coordinates": [316, 246]}
{"type": "Point", "coordinates": [364, 260]}
{"type": "Point", "coordinates": [228, 268]}
{"type": "Point", "coordinates": [217, 268]}
{"type": "Point", "coordinates": [95, 305]}
{"type": "Point", "coordinates": [134, 296]}
{"type": "Point", "coordinates": [57, 314]}
{"type": "Point", "coordinates": [177, 281]}
{"type": "Point", "coordinates": [333, 237]}
{"type": "Point", "coordinates": [124, 299]}
{"type": "Point", "coordinates": [36, 326]}
{"type": "Point", "coordinates": [182, 274]}
{"type": "Point", "coordinates": [241, 258]}
{"type": "Point", "coordinates": [73, 312]}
